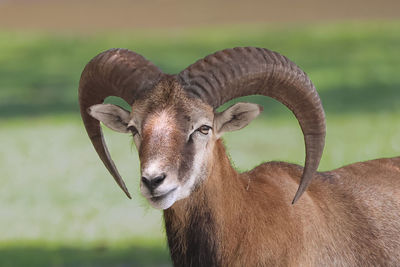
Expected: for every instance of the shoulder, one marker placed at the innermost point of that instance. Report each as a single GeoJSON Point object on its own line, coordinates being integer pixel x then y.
{"type": "Point", "coordinates": [279, 169]}
{"type": "Point", "coordinates": [274, 168]}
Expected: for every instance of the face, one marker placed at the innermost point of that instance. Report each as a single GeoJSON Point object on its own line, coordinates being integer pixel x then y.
{"type": "Point", "coordinates": [174, 139]}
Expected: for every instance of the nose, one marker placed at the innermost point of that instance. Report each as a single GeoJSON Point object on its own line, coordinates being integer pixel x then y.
{"type": "Point", "coordinates": [153, 183]}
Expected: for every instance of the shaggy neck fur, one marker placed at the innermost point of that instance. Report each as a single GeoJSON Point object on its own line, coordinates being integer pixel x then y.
{"type": "Point", "coordinates": [192, 224]}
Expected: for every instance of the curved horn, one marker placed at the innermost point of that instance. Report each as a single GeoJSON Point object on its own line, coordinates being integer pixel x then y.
{"type": "Point", "coordinates": [243, 71]}
{"type": "Point", "coordinates": [116, 72]}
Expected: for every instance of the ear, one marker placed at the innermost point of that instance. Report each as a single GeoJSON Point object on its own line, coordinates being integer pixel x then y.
{"type": "Point", "coordinates": [235, 117]}
{"type": "Point", "coordinates": [112, 116]}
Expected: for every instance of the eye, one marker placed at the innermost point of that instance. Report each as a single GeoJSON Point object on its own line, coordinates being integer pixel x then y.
{"type": "Point", "coordinates": [133, 130]}
{"type": "Point", "coordinates": [204, 129]}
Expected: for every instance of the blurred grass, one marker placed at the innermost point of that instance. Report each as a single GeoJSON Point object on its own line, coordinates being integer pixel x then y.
{"type": "Point", "coordinates": [58, 204]}
{"type": "Point", "coordinates": [98, 256]}
{"type": "Point", "coordinates": [354, 65]}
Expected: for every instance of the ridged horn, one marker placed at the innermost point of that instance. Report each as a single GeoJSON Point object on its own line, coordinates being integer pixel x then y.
{"type": "Point", "coordinates": [115, 72]}
{"type": "Point", "coordinates": [244, 71]}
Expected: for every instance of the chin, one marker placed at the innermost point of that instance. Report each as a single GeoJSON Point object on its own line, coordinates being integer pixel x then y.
{"type": "Point", "coordinates": [164, 202]}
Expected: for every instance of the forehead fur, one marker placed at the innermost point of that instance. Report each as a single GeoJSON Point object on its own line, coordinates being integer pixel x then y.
{"type": "Point", "coordinates": [169, 95]}
{"type": "Point", "coordinates": [168, 92]}
{"type": "Point", "coordinates": [163, 121]}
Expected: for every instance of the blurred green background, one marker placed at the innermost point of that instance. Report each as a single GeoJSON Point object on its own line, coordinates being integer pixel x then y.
{"type": "Point", "coordinates": [58, 204]}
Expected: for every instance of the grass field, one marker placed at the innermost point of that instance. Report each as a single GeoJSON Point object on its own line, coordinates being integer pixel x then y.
{"type": "Point", "coordinates": [58, 204]}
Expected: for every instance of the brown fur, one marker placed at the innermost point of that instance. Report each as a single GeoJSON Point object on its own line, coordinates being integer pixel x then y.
{"type": "Point", "coordinates": [348, 217]}
{"type": "Point", "coordinates": [215, 216]}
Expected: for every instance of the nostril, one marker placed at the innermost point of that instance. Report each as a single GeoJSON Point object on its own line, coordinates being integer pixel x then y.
{"type": "Point", "coordinates": [146, 181]}
{"type": "Point", "coordinates": [158, 180]}
{"type": "Point", "coordinates": [152, 183]}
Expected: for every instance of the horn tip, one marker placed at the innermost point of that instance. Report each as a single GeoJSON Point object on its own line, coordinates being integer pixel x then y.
{"type": "Point", "coordinates": [127, 193]}
{"type": "Point", "coordinates": [302, 188]}
{"type": "Point", "coordinates": [296, 197]}
{"type": "Point", "coordinates": [124, 188]}
{"type": "Point", "coordinates": [305, 181]}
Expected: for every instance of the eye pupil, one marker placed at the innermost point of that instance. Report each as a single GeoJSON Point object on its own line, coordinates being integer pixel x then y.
{"type": "Point", "coordinates": [204, 129]}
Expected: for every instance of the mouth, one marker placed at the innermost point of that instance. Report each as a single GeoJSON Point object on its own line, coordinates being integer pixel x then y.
{"type": "Point", "coordinates": [160, 197]}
